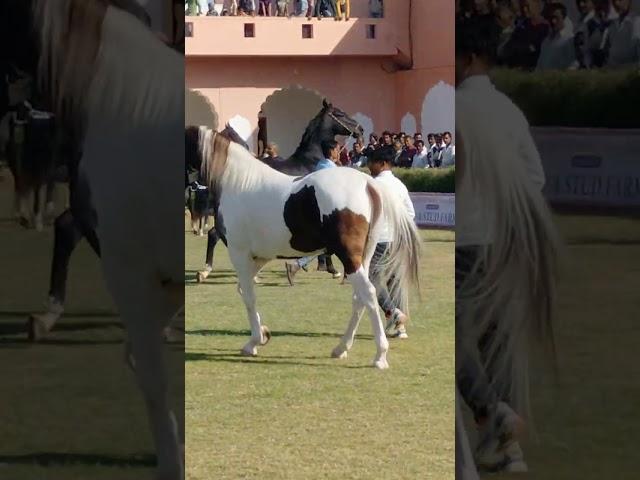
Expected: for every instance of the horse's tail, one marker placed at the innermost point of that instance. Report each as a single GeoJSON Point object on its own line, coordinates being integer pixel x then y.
{"type": "Point", "coordinates": [400, 267]}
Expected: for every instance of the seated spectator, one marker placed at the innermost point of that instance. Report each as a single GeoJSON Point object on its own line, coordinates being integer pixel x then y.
{"type": "Point", "coordinates": [357, 157]}
{"type": "Point", "coordinates": [387, 139]}
{"type": "Point", "coordinates": [343, 9]}
{"type": "Point", "coordinates": [283, 8]}
{"type": "Point", "coordinates": [192, 8]}
{"type": "Point", "coordinates": [373, 143]}
{"type": "Point", "coordinates": [264, 8]}
{"type": "Point", "coordinates": [436, 151]}
{"type": "Point", "coordinates": [580, 52]}
{"type": "Point", "coordinates": [557, 51]}
{"type": "Point", "coordinates": [586, 12]}
{"type": "Point", "coordinates": [625, 36]}
{"type": "Point", "coordinates": [523, 48]}
{"type": "Point", "coordinates": [408, 152]}
{"type": "Point", "coordinates": [247, 7]}
{"type": "Point", "coordinates": [506, 20]}
{"type": "Point", "coordinates": [397, 148]}
{"type": "Point", "coordinates": [449, 151]}
{"type": "Point", "coordinates": [325, 8]}
{"type": "Point", "coordinates": [376, 9]}
{"type": "Point", "coordinates": [597, 37]}
{"type": "Point", "coordinates": [421, 158]}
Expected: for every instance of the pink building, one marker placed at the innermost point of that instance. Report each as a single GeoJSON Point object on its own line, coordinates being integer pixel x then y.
{"type": "Point", "coordinates": [272, 73]}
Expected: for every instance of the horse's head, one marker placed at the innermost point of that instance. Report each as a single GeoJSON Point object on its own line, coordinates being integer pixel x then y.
{"type": "Point", "coordinates": [339, 122]}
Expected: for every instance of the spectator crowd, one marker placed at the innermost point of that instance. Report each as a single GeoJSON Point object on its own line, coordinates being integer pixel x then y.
{"type": "Point", "coordinates": [337, 9]}
{"type": "Point", "coordinates": [410, 151]}
{"type": "Point", "coordinates": [541, 35]}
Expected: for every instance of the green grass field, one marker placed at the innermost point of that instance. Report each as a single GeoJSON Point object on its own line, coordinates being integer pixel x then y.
{"type": "Point", "coordinates": [295, 413]}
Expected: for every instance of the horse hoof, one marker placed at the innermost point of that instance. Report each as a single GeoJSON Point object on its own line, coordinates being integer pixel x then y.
{"type": "Point", "coordinates": [339, 352]}
{"type": "Point", "coordinates": [266, 335]}
{"type": "Point", "coordinates": [247, 353]}
{"type": "Point", "coordinates": [381, 364]}
{"type": "Point", "coordinates": [256, 280]}
{"type": "Point", "coordinates": [200, 277]}
{"type": "Point", "coordinates": [36, 328]}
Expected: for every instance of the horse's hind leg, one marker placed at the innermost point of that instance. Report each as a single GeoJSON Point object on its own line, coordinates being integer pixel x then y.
{"type": "Point", "coordinates": [366, 293]}
{"type": "Point", "coordinates": [346, 342]}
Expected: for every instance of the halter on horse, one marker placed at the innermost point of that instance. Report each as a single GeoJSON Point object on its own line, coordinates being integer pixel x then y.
{"type": "Point", "coordinates": [272, 215]}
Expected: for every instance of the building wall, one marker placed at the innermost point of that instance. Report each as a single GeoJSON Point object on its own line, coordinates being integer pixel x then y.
{"type": "Point", "coordinates": [369, 87]}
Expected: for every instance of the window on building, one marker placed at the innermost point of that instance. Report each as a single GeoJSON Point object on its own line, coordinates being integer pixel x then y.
{"type": "Point", "coordinates": [371, 31]}
{"type": "Point", "coordinates": [307, 31]}
{"type": "Point", "coordinates": [249, 30]}
{"type": "Point", "coordinates": [188, 29]}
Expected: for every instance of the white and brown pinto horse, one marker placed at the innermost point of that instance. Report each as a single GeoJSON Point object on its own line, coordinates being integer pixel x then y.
{"type": "Point", "coordinates": [271, 215]}
{"type": "Point", "coordinates": [106, 71]}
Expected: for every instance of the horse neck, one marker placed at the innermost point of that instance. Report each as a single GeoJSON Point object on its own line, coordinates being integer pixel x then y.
{"type": "Point", "coordinates": [309, 152]}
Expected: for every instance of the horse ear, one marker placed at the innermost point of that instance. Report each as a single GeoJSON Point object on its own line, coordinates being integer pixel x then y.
{"type": "Point", "coordinates": [325, 104]}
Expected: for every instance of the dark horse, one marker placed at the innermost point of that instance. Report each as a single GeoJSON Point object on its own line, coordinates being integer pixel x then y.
{"type": "Point", "coordinates": [80, 219]}
{"type": "Point", "coordinates": [328, 123]}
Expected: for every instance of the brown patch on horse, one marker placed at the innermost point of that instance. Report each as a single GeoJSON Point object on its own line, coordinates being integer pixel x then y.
{"type": "Point", "coordinates": [347, 233]}
{"type": "Point", "coordinates": [213, 167]}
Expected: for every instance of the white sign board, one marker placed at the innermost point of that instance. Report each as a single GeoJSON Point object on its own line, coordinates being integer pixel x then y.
{"type": "Point", "coordinates": [590, 167]}
{"type": "Point", "coordinates": [434, 209]}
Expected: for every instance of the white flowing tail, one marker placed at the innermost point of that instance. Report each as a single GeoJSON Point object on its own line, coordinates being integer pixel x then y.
{"type": "Point", "coordinates": [400, 268]}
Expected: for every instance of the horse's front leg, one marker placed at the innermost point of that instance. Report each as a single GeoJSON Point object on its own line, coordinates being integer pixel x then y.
{"type": "Point", "coordinates": [246, 268]}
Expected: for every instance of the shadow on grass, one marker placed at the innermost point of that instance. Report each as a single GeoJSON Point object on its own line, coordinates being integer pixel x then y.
{"type": "Point", "coordinates": [270, 360]}
{"type": "Point", "coordinates": [16, 328]}
{"type": "Point", "coordinates": [49, 459]}
{"type": "Point", "coordinates": [247, 333]}
{"type": "Point", "coordinates": [22, 313]}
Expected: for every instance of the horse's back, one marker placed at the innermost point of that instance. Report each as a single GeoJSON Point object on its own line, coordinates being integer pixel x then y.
{"type": "Point", "coordinates": [338, 189]}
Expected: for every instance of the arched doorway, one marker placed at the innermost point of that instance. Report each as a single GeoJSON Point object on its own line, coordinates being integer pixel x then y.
{"type": "Point", "coordinates": [198, 110]}
{"type": "Point", "coordinates": [438, 109]}
{"type": "Point", "coordinates": [286, 114]}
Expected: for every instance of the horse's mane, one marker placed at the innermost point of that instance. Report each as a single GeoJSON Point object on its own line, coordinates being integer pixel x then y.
{"type": "Point", "coordinates": [97, 57]}
{"type": "Point", "coordinates": [245, 172]}
{"type": "Point", "coordinates": [309, 132]}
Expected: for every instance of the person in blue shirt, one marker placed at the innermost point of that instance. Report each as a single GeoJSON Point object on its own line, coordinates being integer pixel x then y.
{"type": "Point", "coordinates": [331, 153]}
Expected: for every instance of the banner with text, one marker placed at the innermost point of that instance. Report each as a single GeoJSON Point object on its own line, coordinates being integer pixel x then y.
{"type": "Point", "coordinates": [434, 209]}
{"type": "Point", "coordinates": [590, 167]}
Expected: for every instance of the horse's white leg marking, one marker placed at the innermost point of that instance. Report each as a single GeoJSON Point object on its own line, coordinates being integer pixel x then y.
{"type": "Point", "coordinates": [246, 268]}
{"type": "Point", "coordinates": [145, 310]}
{"type": "Point", "coordinates": [346, 342]}
{"type": "Point", "coordinates": [366, 293]}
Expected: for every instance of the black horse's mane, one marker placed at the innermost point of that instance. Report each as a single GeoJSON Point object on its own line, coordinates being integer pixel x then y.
{"type": "Point", "coordinates": [309, 132]}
